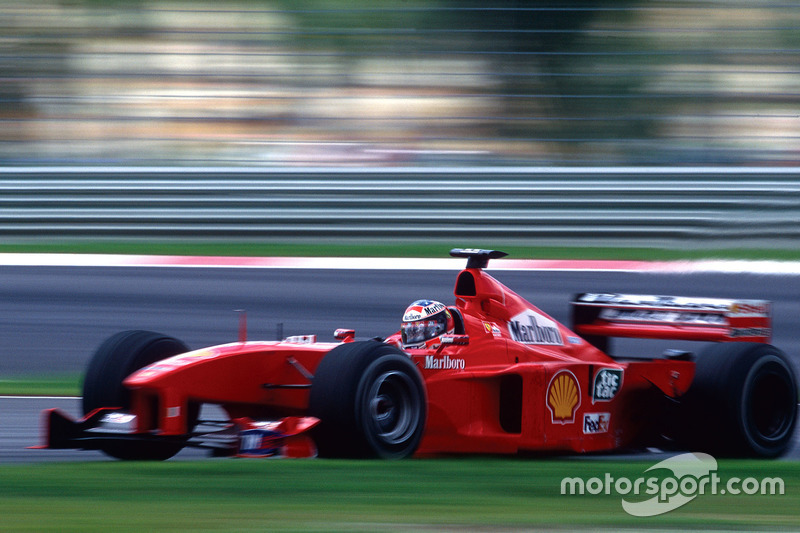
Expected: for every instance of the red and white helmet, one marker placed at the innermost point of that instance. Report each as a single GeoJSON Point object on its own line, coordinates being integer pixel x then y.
{"type": "Point", "coordinates": [423, 322]}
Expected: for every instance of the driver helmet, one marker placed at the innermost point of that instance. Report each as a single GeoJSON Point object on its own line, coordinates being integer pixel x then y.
{"type": "Point", "coordinates": [423, 322]}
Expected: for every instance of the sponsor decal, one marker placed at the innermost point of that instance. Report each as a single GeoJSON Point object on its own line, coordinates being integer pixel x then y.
{"type": "Point", "coordinates": [154, 370]}
{"type": "Point", "coordinates": [423, 309]}
{"type": "Point", "coordinates": [301, 339]}
{"type": "Point", "coordinates": [176, 361]}
{"type": "Point", "coordinates": [260, 442]}
{"type": "Point", "coordinates": [750, 332]}
{"type": "Point", "coordinates": [738, 308]}
{"type": "Point", "coordinates": [444, 363]}
{"type": "Point", "coordinates": [199, 354]}
{"type": "Point", "coordinates": [183, 359]}
{"type": "Point", "coordinates": [119, 422]}
{"type": "Point", "coordinates": [750, 309]}
{"type": "Point", "coordinates": [606, 384]}
{"type": "Point", "coordinates": [117, 418]}
{"type": "Point", "coordinates": [676, 302]}
{"type": "Point", "coordinates": [661, 316]}
{"type": "Point", "coordinates": [594, 423]}
{"type": "Point", "coordinates": [563, 397]}
{"type": "Point", "coordinates": [433, 308]}
{"type": "Point", "coordinates": [492, 328]}
{"type": "Point", "coordinates": [529, 327]}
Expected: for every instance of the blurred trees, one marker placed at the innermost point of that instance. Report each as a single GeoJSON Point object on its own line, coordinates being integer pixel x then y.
{"type": "Point", "coordinates": [414, 82]}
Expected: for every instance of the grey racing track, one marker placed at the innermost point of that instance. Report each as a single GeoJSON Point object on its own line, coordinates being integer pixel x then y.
{"type": "Point", "coordinates": [52, 318]}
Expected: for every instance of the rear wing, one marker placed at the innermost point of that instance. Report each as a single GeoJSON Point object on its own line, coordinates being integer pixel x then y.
{"type": "Point", "coordinates": [597, 316]}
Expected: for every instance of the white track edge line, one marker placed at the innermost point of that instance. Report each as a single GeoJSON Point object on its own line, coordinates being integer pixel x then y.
{"type": "Point", "coordinates": [769, 267]}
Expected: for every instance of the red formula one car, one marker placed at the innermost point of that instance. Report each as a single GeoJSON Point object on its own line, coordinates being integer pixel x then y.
{"type": "Point", "coordinates": [491, 374]}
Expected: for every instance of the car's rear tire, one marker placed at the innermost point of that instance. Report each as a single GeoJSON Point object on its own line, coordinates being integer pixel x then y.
{"type": "Point", "coordinates": [117, 358]}
{"type": "Point", "coordinates": [370, 399]}
{"type": "Point", "coordinates": [742, 401]}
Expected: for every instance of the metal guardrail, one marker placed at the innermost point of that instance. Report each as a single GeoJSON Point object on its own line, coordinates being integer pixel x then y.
{"type": "Point", "coordinates": [532, 205]}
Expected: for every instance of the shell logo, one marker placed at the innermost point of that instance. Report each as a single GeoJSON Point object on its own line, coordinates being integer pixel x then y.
{"type": "Point", "coordinates": [563, 397]}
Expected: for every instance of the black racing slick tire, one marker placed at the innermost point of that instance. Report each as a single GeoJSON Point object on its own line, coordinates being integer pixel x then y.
{"type": "Point", "coordinates": [371, 402]}
{"type": "Point", "coordinates": [117, 358]}
{"type": "Point", "coordinates": [742, 401]}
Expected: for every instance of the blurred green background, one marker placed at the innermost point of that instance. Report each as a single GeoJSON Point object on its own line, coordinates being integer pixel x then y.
{"type": "Point", "coordinates": [399, 83]}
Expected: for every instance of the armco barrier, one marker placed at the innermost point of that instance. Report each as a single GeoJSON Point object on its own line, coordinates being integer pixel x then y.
{"type": "Point", "coordinates": [689, 206]}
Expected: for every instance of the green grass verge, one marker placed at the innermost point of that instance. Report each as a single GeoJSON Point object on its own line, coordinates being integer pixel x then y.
{"type": "Point", "coordinates": [44, 385]}
{"type": "Point", "coordinates": [324, 495]}
{"type": "Point", "coordinates": [390, 250]}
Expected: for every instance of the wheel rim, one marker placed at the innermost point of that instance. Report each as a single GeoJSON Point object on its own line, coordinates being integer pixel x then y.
{"type": "Point", "coordinates": [393, 408]}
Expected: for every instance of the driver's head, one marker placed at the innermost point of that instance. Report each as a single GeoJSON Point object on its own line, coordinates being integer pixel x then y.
{"type": "Point", "coordinates": [424, 321]}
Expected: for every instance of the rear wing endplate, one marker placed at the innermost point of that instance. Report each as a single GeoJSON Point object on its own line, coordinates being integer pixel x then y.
{"type": "Point", "coordinates": [598, 315]}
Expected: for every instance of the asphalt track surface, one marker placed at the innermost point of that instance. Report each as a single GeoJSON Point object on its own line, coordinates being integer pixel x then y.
{"type": "Point", "coordinates": [52, 318]}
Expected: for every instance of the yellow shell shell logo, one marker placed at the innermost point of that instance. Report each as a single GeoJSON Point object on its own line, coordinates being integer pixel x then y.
{"type": "Point", "coordinates": [563, 397]}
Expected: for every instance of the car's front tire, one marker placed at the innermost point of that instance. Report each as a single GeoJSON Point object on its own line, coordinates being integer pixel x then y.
{"type": "Point", "coordinates": [370, 399]}
{"type": "Point", "coordinates": [117, 358]}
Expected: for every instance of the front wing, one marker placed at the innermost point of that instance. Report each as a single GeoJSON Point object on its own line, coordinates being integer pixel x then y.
{"type": "Point", "coordinates": [242, 437]}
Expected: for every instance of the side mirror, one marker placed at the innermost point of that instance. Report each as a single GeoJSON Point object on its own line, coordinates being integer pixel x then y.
{"type": "Point", "coordinates": [345, 335]}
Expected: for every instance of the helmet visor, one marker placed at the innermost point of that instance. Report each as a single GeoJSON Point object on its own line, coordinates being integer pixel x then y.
{"type": "Point", "coordinates": [419, 331]}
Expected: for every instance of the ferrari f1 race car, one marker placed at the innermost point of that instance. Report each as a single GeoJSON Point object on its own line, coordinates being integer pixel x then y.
{"type": "Point", "coordinates": [490, 374]}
